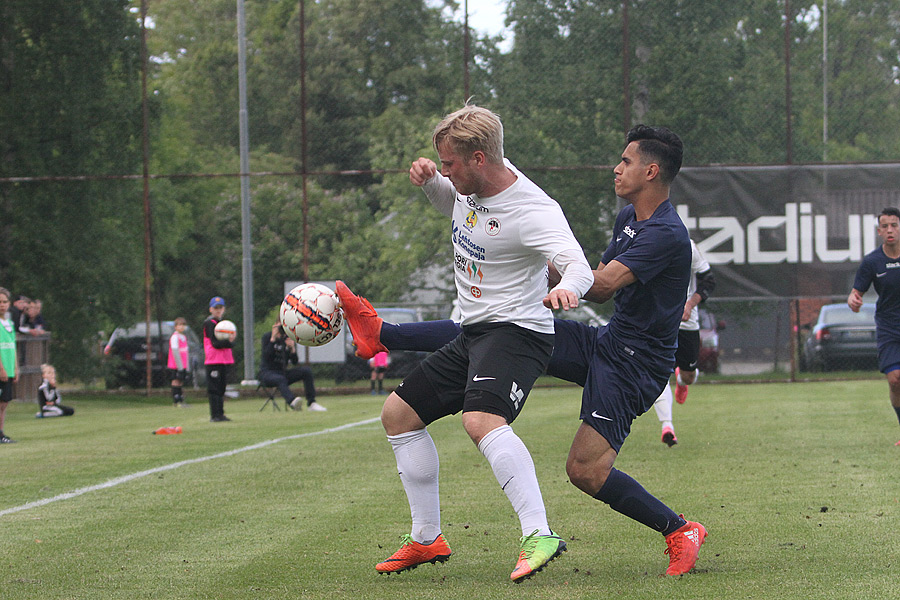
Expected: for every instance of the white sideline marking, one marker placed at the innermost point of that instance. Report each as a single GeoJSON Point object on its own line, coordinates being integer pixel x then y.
{"type": "Point", "coordinates": [126, 478]}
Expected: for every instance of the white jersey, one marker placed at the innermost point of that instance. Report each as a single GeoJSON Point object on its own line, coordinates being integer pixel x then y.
{"type": "Point", "coordinates": [698, 265]}
{"type": "Point", "coordinates": [501, 245]}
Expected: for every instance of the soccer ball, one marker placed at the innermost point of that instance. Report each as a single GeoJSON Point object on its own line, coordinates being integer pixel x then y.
{"type": "Point", "coordinates": [311, 314]}
{"type": "Point", "coordinates": [224, 329]}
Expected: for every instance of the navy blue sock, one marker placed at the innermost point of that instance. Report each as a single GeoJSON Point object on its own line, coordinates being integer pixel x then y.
{"type": "Point", "coordinates": [627, 496]}
{"type": "Point", "coordinates": [897, 410]}
{"type": "Point", "coordinates": [425, 336]}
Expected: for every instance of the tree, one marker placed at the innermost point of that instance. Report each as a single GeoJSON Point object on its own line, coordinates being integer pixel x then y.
{"type": "Point", "coordinates": [70, 105]}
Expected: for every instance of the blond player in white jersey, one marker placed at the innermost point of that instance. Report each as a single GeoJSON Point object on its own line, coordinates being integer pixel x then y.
{"type": "Point", "coordinates": [504, 230]}
{"type": "Point", "coordinates": [701, 285]}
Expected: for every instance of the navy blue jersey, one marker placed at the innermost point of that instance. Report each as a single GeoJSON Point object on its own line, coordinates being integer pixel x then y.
{"type": "Point", "coordinates": [884, 272]}
{"type": "Point", "coordinates": [648, 312]}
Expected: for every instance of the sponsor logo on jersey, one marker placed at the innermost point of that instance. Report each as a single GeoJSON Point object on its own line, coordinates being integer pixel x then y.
{"type": "Point", "coordinates": [462, 241]}
{"type": "Point", "coordinates": [629, 231]}
{"type": "Point", "coordinates": [492, 227]}
{"type": "Point", "coordinates": [475, 270]}
{"type": "Point", "coordinates": [475, 206]}
{"type": "Point", "coordinates": [461, 262]}
{"type": "Point", "coordinates": [476, 291]}
{"type": "Point", "coordinates": [893, 265]}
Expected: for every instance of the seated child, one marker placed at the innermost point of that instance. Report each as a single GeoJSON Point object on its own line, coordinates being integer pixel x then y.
{"type": "Point", "coordinates": [48, 397]}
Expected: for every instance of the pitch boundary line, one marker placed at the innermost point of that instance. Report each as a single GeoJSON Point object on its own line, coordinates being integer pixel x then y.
{"type": "Point", "coordinates": [126, 478]}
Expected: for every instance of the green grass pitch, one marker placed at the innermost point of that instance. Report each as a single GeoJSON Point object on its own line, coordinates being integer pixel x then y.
{"type": "Point", "coordinates": [797, 484]}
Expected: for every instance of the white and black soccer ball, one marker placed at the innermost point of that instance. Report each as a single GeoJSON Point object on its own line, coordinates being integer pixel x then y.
{"type": "Point", "coordinates": [311, 314]}
{"type": "Point", "coordinates": [225, 329]}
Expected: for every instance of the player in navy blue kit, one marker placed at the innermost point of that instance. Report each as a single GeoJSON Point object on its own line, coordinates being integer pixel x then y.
{"type": "Point", "coordinates": [623, 366]}
{"type": "Point", "coordinates": [881, 267]}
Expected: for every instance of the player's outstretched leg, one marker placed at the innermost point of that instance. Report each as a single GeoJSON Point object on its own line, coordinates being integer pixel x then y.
{"type": "Point", "coordinates": [535, 552]}
{"type": "Point", "coordinates": [412, 554]}
{"type": "Point", "coordinates": [684, 547]}
{"type": "Point", "coordinates": [365, 324]}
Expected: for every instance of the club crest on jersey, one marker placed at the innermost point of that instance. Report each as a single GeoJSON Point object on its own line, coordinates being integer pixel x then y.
{"type": "Point", "coordinates": [471, 220]}
{"type": "Point", "coordinates": [492, 226]}
{"type": "Point", "coordinates": [476, 291]}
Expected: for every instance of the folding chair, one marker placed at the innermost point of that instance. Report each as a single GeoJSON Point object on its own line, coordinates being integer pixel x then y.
{"type": "Point", "coordinates": [270, 392]}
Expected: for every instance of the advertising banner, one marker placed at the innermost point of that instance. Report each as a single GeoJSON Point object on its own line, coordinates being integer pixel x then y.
{"type": "Point", "coordinates": [785, 230]}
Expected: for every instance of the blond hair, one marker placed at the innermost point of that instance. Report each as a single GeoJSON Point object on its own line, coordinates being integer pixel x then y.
{"type": "Point", "coordinates": [471, 129]}
{"type": "Point", "coordinates": [47, 368]}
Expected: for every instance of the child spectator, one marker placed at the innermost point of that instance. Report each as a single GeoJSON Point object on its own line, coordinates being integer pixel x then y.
{"type": "Point", "coordinates": [9, 361]}
{"type": "Point", "coordinates": [48, 396]}
{"type": "Point", "coordinates": [378, 365]}
{"type": "Point", "coordinates": [218, 360]}
{"type": "Point", "coordinates": [178, 361]}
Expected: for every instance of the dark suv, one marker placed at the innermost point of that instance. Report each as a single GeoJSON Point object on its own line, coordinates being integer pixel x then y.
{"type": "Point", "coordinates": [126, 356]}
{"type": "Point", "coordinates": [402, 361]}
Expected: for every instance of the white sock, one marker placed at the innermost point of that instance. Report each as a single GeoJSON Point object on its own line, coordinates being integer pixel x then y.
{"type": "Point", "coordinates": [514, 470]}
{"type": "Point", "coordinates": [418, 466]}
{"type": "Point", "coordinates": [678, 378]}
{"type": "Point", "coordinates": [663, 406]}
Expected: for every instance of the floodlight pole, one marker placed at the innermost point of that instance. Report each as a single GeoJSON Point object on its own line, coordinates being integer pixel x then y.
{"type": "Point", "coordinates": [145, 148]}
{"type": "Point", "coordinates": [247, 261]}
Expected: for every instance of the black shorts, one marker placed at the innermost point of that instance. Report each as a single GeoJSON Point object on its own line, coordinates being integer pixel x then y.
{"type": "Point", "coordinates": [6, 390]}
{"type": "Point", "coordinates": [688, 354]}
{"type": "Point", "coordinates": [177, 374]}
{"type": "Point", "coordinates": [489, 367]}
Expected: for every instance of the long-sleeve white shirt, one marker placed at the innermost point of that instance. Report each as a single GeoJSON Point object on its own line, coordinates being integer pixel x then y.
{"type": "Point", "coordinates": [501, 245]}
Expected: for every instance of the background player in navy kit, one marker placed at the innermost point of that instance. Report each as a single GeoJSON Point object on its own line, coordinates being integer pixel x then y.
{"type": "Point", "coordinates": [622, 366]}
{"type": "Point", "coordinates": [881, 267]}
{"type": "Point", "coordinates": [504, 230]}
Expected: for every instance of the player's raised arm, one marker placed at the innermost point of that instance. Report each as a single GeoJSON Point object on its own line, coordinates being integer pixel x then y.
{"type": "Point", "coordinates": [421, 171]}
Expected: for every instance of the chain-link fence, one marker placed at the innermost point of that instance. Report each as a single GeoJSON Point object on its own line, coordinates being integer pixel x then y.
{"type": "Point", "coordinates": [121, 144]}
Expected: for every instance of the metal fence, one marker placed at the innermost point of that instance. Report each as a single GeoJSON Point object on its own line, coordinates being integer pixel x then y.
{"type": "Point", "coordinates": [745, 83]}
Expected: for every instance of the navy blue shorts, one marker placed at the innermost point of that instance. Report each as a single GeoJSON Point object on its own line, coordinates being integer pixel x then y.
{"type": "Point", "coordinates": [489, 367]}
{"type": "Point", "coordinates": [888, 355]}
{"type": "Point", "coordinates": [617, 386]}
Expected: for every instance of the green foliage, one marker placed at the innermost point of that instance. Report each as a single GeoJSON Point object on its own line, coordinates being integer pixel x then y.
{"type": "Point", "coordinates": [70, 105]}
{"type": "Point", "coordinates": [379, 75]}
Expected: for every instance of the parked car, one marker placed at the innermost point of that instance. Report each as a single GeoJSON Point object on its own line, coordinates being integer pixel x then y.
{"type": "Point", "coordinates": [841, 339]}
{"type": "Point", "coordinates": [126, 355]}
{"type": "Point", "coordinates": [402, 361]}
{"type": "Point", "coordinates": [709, 341]}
